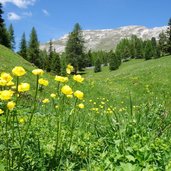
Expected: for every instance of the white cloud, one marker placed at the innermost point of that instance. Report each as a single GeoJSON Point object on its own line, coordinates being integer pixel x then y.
{"type": "Point", "coordinates": [13, 16]}
{"type": "Point", "coordinates": [45, 12]}
{"type": "Point", "coordinates": [19, 3]}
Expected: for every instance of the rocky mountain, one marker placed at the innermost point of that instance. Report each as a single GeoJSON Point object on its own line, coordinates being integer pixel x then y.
{"type": "Point", "coordinates": [107, 39]}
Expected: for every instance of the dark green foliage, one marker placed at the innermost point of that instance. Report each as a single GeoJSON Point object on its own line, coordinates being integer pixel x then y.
{"type": "Point", "coordinates": [63, 64]}
{"type": "Point", "coordinates": [162, 43]}
{"type": "Point", "coordinates": [75, 49]}
{"type": "Point", "coordinates": [168, 34]}
{"type": "Point", "coordinates": [148, 51]}
{"type": "Point", "coordinates": [33, 49]}
{"type": "Point", "coordinates": [130, 48]}
{"type": "Point", "coordinates": [11, 37]}
{"type": "Point", "coordinates": [97, 67]}
{"type": "Point", "coordinates": [23, 47]}
{"type": "Point", "coordinates": [4, 35]}
{"type": "Point", "coordinates": [49, 57]}
{"type": "Point", "coordinates": [114, 61]}
{"type": "Point", "coordinates": [43, 56]}
{"type": "Point", "coordinates": [156, 51]}
{"type": "Point", "coordinates": [56, 65]}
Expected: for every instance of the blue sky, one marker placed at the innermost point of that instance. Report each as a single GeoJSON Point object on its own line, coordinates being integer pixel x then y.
{"type": "Point", "coordinates": [54, 18]}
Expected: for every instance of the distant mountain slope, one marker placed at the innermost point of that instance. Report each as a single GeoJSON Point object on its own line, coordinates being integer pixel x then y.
{"type": "Point", "coordinates": [107, 39]}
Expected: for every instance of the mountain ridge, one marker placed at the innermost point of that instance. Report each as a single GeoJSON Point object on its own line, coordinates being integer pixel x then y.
{"type": "Point", "coordinates": [107, 39]}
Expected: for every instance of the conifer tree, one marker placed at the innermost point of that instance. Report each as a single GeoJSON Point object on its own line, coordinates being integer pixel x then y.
{"type": "Point", "coordinates": [163, 43]}
{"type": "Point", "coordinates": [75, 49]}
{"type": "Point", "coordinates": [56, 65]}
{"type": "Point", "coordinates": [148, 51]}
{"type": "Point", "coordinates": [168, 34]}
{"type": "Point", "coordinates": [50, 57]}
{"type": "Point", "coordinates": [11, 37]}
{"type": "Point", "coordinates": [4, 35]}
{"type": "Point", "coordinates": [33, 48]}
{"type": "Point", "coordinates": [23, 47]}
{"type": "Point", "coordinates": [97, 67]}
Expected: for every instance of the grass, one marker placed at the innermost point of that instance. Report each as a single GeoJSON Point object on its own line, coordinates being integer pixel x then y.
{"type": "Point", "coordinates": [125, 125]}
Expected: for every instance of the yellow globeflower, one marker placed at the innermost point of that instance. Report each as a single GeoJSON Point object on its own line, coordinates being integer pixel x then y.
{"type": "Point", "coordinates": [61, 79]}
{"type": "Point", "coordinates": [53, 95]}
{"type": "Point", "coordinates": [18, 71]}
{"type": "Point", "coordinates": [21, 120]}
{"type": "Point", "coordinates": [10, 83]}
{"type": "Point", "coordinates": [69, 66]}
{"type": "Point", "coordinates": [5, 76]}
{"type": "Point", "coordinates": [43, 82]}
{"type": "Point", "coordinates": [38, 72]}
{"type": "Point", "coordinates": [81, 105]}
{"type": "Point", "coordinates": [69, 69]}
{"type": "Point", "coordinates": [1, 111]}
{"type": "Point", "coordinates": [3, 82]}
{"type": "Point", "coordinates": [66, 90]}
{"type": "Point", "coordinates": [24, 87]}
{"type": "Point", "coordinates": [45, 101]}
{"type": "Point", "coordinates": [6, 94]}
{"type": "Point", "coordinates": [70, 96]}
{"type": "Point", "coordinates": [78, 78]}
{"type": "Point", "coordinates": [79, 94]}
{"type": "Point", "coordinates": [11, 105]}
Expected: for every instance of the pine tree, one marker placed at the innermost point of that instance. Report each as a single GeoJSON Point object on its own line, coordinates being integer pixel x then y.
{"type": "Point", "coordinates": [75, 49]}
{"type": "Point", "coordinates": [163, 43]}
{"type": "Point", "coordinates": [168, 34]}
{"type": "Point", "coordinates": [97, 67]}
{"type": "Point", "coordinates": [11, 37]}
{"type": "Point", "coordinates": [4, 35]}
{"type": "Point", "coordinates": [56, 65]}
{"type": "Point", "coordinates": [63, 64]}
{"type": "Point", "coordinates": [148, 51]}
{"type": "Point", "coordinates": [114, 61]}
{"type": "Point", "coordinates": [33, 48]}
{"type": "Point", "coordinates": [23, 47]}
{"type": "Point", "coordinates": [50, 57]}
{"type": "Point", "coordinates": [156, 53]}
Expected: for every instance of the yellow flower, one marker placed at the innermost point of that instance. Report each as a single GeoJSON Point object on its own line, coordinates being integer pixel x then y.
{"type": "Point", "coordinates": [53, 95]}
{"type": "Point", "coordinates": [43, 82]}
{"type": "Point", "coordinates": [69, 66]}
{"type": "Point", "coordinates": [66, 90]}
{"type": "Point", "coordinates": [21, 120]}
{"type": "Point", "coordinates": [3, 82]}
{"type": "Point", "coordinates": [38, 72]}
{"type": "Point", "coordinates": [11, 105]}
{"type": "Point", "coordinates": [6, 94]}
{"type": "Point", "coordinates": [70, 96]}
{"type": "Point", "coordinates": [78, 78]}
{"type": "Point", "coordinates": [79, 94]}
{"type": "Point", "coordinates": [24, 87]}
{"type": "Point", "coordinates": [61, 79]}
{"type": "Point", "coordinates": [69, 69]}
{"type": "Point", "coordinates": [81, 105]}
{"type": "Point", "coordinates": [1, 111]}
{"type": "Point", "coordinates": [45, 101]}
{"type": "Point", "coordinates": [10, 83]}
{"type": "Point", "coordinates": [18, 71]}
{"type": "Point", "coordinates": [5, 76]}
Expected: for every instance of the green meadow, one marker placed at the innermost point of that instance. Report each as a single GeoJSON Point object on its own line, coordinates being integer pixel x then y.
{"type": "Point", "coordinates": [121, 122]}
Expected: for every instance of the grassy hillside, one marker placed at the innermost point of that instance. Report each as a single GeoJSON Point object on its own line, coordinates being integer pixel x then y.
{"type": "Point", "coordinates": [138, 77]}
{"type": "Point", "coordinates": [9, 59]}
